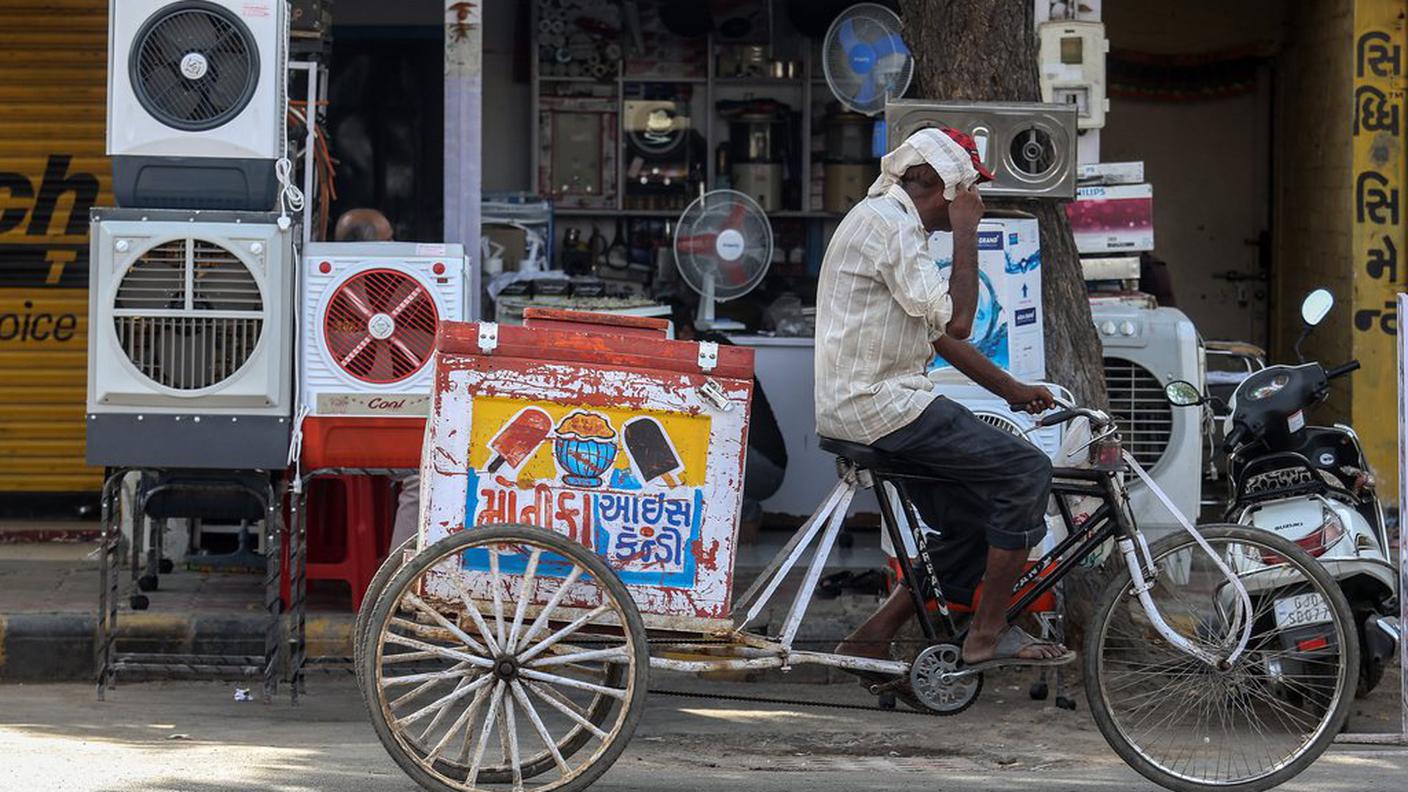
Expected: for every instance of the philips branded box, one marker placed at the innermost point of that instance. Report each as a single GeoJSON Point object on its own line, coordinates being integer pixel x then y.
{"type": "Point", "coordinates": [1113, 218]}
{"type": "Point", "coordinates": [1008, 324]}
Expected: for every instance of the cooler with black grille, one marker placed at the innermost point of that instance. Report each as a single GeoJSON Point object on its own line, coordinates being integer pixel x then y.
{"type": "Point", "coordinates": [196, 102]}
{"type": "Point", "coordinates": [369, 317]}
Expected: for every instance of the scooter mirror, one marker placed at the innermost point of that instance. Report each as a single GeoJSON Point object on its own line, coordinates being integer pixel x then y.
{"type": "Point", "coordinates": [1183, 394]}
{"type": "Point", "coordinates": [1316, 305]}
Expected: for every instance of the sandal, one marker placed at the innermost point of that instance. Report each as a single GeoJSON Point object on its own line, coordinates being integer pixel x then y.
{"type": "Point", "coordinates": [1013, 640]}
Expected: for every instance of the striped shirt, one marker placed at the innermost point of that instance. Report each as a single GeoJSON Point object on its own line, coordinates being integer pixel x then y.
{"type": "Point", "coordinates": [880, 304]}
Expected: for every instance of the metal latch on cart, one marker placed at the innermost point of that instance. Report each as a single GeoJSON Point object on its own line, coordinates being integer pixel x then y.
{"type": "Point", "coordinates": [713, 393]}
{"type": "Point", "coordinates": [708, 356]}
{"type": "Point", "coordinates": [488, 337]}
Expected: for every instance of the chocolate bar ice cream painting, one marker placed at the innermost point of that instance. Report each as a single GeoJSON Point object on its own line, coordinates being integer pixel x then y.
{"type": "Point", "coordinates": [649, 447]}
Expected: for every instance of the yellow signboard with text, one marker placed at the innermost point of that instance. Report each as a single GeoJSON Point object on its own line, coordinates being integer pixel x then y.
{"type": "Point", "coordinates": [53, 88]}
{"type": "Point", "coordinates": [1378, 222]}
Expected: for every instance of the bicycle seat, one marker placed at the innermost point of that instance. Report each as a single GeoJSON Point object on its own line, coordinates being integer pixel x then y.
{"type": "Point", "coordinates": [864, 456]}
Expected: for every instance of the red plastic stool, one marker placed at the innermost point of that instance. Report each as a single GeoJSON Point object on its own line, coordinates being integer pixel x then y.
{"type": "Point", "coordinates": [345, 517]}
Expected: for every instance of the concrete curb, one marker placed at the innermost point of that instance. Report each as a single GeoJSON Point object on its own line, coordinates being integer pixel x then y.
{"type": "Point", "coordinates": [46, 535]}
{"type": "Point", "coordinates": [59, 647]}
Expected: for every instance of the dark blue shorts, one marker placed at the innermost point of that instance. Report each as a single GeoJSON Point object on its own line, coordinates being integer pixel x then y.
{"type": "Point", "coordinates": [991, 488]}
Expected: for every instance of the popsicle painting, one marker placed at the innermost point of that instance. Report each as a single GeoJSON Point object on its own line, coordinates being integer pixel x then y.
{"type": "Point", "coordinates": [651, 450]}
{"type": "Point", "coordinates": [519, 438]}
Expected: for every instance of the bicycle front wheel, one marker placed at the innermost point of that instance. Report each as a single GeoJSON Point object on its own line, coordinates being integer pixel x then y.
{"type": "Point", "coordinates": [1253, 723]}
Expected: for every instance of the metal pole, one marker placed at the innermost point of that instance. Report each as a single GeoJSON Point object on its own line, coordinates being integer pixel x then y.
{"type": "Point", "coordinates": [464, 92]}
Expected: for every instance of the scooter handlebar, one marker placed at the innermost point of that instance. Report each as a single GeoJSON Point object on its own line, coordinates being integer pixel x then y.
{"type": "Point", "coordinates": [1340, 371]}
{"type": "Point", "coordinates": [1234, 437]}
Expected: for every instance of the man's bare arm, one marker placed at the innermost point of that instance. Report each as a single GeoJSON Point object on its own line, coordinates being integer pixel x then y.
{"type": "Point", "coordinates": [966, 358]}
{"type": "Point", "coordinates": [963, 285]}
{"type": "Point", "coordinates": [964, 214]}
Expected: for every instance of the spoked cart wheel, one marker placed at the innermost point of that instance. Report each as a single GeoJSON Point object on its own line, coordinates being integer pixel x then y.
{"type": "Point", "coordinates": [505, 657]}
{"type": "Point", "coordinates": [1247, 725]}
{"type": "Point", "coordinates": [388, 569]}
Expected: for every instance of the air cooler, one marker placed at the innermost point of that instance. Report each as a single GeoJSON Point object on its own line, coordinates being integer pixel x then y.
{"type": "Point", "coordinates": [370, 314]}
{"type": "Point", "coordinates": [189, 340]}
{"type": "Point", "coordinates": [1145, 349]}
{"type": "Point", "coordinates": [196, 102]}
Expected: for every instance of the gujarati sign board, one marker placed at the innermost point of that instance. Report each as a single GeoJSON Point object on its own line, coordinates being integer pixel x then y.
{"type": "Point", "coordinates": [1378, 217]}
{"type": "Point", "coordinates": [598, 428]}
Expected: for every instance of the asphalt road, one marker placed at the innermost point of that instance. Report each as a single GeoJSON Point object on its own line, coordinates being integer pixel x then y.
{"type": "Point", "coordinates": [193, 737]}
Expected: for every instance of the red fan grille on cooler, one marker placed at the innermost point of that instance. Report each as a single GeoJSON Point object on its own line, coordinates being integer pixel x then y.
{"type": "Point", "coordinates": [380, 326]}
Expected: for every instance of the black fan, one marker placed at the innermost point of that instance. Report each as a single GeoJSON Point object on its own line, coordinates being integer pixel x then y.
{"type": "Point", "coordinates": [194, 66]}
{"type": "Point", "coordinates": [1033, 151]}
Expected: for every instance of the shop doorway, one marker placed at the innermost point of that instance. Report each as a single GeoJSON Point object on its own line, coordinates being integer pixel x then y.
{"type": "Point", "coordinates": [1209, 161]}
{"type": "Point", "coordinates": [386, 119]}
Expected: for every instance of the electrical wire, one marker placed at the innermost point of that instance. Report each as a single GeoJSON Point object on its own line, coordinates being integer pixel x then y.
{"type": "Point", "coordinates": [290, 197]}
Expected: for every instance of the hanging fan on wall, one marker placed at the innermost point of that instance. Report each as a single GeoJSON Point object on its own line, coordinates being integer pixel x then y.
{"type": "Point", "coordinates": [723, 247]}
{"type": "Point", "coordinates": [379, 326]}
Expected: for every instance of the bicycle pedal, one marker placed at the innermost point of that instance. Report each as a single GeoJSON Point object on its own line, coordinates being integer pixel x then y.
{"type": "Point", "coordinates": [883, 688]}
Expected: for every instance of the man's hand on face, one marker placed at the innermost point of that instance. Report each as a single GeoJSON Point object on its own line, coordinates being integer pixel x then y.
{"type": "Point", "coordinates": [1033, 399]}
{"type": "Point", "coordinates": [966, 210]}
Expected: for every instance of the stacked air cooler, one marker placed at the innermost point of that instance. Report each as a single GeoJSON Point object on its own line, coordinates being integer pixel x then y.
{"type": "Point", "coordinates": [199, 316]}
{"type": "Point", "coordinates": [192, 287]}
{"type": "Point", "coordinates": [1146, 348]}
{"type": "Point", "coordinates": [368, 330]}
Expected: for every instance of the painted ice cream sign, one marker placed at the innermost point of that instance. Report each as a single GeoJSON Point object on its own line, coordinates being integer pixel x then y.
{"type": "Point", "coordinates": [631, 445]}
{"type": "Point", "coordinates": [629, 485]}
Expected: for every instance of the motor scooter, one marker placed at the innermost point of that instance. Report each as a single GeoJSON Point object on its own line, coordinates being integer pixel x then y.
{"type": "Point", "coordinates": [1312, 485]}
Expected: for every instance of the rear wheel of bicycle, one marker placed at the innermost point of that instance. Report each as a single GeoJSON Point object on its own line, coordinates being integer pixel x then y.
{"type": "Point", "coordinates": [505, 657]}
{"type": "Point", "coordinates": [1252, 724]}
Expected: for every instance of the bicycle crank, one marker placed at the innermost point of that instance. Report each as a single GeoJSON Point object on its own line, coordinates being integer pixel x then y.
{"type": "Point", "coordinates": [938, 683]}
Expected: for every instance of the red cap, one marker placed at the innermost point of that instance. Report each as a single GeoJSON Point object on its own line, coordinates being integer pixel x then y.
{"type": "Point", "coordinates": [966, 141]}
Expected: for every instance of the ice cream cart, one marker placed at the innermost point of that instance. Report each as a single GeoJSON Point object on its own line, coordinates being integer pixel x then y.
{"type": "Point", "coordinates": [581, 478]}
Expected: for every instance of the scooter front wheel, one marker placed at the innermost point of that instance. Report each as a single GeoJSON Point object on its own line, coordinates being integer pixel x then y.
{"type": "Point", "coordinates": [1245, 726]}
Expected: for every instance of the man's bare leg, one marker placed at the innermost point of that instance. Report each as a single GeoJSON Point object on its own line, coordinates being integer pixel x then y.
{"type": "Point", "coordinates": [872, 638]}
{"type": "Point", "coordinates": [990, 618]}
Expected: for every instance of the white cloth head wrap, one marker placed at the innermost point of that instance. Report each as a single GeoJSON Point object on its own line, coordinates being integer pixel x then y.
{"type": "Point", "coordinates": [952, 162]}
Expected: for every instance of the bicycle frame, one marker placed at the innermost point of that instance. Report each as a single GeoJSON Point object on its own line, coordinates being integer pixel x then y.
{"type": "Point", "coordinates": [1104, 523]}
{"type": "Point", "coordinates": [1111, 520]}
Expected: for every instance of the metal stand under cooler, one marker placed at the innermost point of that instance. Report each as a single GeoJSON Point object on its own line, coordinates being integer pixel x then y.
{"type": "Point", "coordinates": [246, 496]}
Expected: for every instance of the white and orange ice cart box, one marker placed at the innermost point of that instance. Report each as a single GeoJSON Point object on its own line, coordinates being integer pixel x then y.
{"type": "Point", "coordinates": [599, 428]}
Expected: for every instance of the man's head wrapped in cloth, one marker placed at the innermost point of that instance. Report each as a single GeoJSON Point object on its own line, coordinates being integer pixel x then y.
{"type": "Point", "coordinates": [932, 166]}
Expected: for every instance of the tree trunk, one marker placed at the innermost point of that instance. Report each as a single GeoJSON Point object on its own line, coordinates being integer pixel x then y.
{"type": "Point", "coordinates": [985, 50]}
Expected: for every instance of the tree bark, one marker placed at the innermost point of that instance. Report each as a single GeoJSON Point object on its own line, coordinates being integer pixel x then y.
{"type": "Point", "coordinates": [986, 50]}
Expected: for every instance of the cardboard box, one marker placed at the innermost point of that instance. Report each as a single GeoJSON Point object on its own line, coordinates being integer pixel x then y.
{"type": "Point", "coordinates": [1009, 324]}
{"type": "Point", "coordinates": [1111, 173]}
{"type": "Point", "coordinates": [1113, 218]}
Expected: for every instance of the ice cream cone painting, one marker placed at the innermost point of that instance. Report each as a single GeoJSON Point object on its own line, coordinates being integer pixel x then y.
{"type": "Point", "coordinates": [585, 446]}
